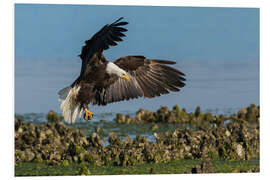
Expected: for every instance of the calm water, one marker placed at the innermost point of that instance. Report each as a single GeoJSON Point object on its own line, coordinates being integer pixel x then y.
{"type": "Point", "coordinates": [220, 87]}
{"type": "Point", "coordinates": [217, 49]}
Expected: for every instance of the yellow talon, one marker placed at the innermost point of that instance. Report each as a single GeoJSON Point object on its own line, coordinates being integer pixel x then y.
{"type": "Point", "coordinates": [88, 115]}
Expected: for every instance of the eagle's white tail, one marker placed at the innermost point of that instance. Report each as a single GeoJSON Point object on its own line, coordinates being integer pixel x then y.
{"type": "Point", "coordinates": [70, 108]}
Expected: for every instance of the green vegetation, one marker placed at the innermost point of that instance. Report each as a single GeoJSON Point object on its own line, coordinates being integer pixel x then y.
{"type": "Point", "coordinates": [173, 167]}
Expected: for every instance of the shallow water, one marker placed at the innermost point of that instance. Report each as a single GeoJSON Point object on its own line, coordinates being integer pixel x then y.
{"type": "Point", "coordinates": [219, 87]}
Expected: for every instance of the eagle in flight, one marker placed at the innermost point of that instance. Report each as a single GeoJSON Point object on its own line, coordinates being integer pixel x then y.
{"type": "Point", "coordinates": [101, 82]}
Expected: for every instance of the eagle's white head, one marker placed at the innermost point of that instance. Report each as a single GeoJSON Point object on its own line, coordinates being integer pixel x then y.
{"type": "Point", "coordinates": [112, 68]}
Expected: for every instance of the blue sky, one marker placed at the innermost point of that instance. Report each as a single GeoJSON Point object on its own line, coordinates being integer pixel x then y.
{"type": "Point", "coordinates": [59, 31]}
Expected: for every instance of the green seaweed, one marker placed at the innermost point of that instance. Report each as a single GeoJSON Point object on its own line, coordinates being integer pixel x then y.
{"type": "Point", "coordinates": [173, 167]}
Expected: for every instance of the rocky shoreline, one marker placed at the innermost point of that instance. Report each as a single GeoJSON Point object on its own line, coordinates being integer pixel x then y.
{"type": "Point", "coordinates": [206, 136]}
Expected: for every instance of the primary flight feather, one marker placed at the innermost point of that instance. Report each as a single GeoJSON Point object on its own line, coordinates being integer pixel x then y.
{"type": "Point", "coordinates": [101, 82]}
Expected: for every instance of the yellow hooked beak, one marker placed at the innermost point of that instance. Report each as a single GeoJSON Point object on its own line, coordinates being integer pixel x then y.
{"type": "Point", "coordinates": [126, 77]}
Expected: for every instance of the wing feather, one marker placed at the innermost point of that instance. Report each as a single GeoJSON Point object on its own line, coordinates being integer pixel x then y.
{"type": "Point", "coordinates": [149, 78]}
{"type": "Point", "coordinates": [107, 36]}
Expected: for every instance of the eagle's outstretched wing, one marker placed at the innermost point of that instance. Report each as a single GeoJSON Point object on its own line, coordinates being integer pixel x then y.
{"type": "Point", "coordinates": [148, 78]}
{"type": "Point", "coordinates": [105, 37]}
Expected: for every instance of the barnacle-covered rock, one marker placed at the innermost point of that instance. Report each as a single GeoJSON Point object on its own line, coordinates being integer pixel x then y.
{"type": "Point", "coordinates": [154, 127]}
{"type": "Point", "coordinates": [207, 137]}
{"type": "Point", "coordinates": [53, 117]}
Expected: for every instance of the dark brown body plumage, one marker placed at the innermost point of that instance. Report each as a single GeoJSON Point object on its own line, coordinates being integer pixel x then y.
{"type": "Point", "coordinates": [92, 80]}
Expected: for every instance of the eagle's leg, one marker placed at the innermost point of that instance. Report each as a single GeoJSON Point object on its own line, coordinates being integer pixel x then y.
{"type": "Point", "coordinates": [88, 115]}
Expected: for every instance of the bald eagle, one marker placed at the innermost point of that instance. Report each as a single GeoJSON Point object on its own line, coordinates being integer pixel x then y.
{"type": "Point", "coordinates": [101, 82]}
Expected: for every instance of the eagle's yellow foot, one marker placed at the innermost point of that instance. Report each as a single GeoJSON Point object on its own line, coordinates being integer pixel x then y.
{"type": "Point", "coordinates": [88, 115]}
